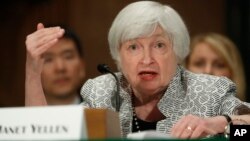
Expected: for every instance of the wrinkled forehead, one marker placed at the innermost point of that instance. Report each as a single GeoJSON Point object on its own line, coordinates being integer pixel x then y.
{"type": "Point", "coordinates": [142, 30]}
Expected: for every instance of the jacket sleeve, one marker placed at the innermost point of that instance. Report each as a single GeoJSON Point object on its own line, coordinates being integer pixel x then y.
{"type": "Point", "coordinates": [229, 101]}
{"type": "Point", "coordinates": [98, 92]}
{"type": "Point", "coordinates": [87, 90]}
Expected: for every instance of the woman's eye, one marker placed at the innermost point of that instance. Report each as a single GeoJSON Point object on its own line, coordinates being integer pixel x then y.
{"type": "Point", "coordinates": [133, 47]}
{"type": "Point", "coordinates": [160, 45]}
{"type": "Point", "coordinates": [199, 64]}
{"type": "Point", "coordinates": [220, 65]}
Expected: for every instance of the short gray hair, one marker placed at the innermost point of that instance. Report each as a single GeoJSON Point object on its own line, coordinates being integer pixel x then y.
{"type": "Point", "coordinates": [141, 18]}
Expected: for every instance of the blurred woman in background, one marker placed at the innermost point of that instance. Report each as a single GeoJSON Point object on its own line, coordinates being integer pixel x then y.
{"type": "Point", "coordinates": [215, 54]}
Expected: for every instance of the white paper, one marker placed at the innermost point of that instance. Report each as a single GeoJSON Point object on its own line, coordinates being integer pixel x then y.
{"type": "Point", "coordinates": [149, 134]}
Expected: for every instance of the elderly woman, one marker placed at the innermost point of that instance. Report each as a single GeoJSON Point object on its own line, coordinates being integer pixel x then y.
{"type": "Point", "coordinates": [148, 40]}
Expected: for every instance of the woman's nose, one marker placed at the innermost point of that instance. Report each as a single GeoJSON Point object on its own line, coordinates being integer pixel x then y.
{"type": "Point", "coordinates": [208, 69]}
{"type": "Point", "coordinates": [147, 56]}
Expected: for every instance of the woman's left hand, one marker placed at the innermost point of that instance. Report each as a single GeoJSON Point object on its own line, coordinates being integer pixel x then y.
{"type": "Point", "coordinates": [192, 126]}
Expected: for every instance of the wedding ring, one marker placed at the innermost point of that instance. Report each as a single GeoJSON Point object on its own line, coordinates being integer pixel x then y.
{"type": "Point", "coordinates": [189, 128]}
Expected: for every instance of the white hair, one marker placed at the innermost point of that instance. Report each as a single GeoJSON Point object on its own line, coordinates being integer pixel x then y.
{"type": "Point", "coordinates": [140, 19]}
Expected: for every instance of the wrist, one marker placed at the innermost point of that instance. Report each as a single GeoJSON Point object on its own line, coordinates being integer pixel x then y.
{"type": "Point", "coordinates": [227, 127]}
{"type": "Point", "coordinates": [229, 119]}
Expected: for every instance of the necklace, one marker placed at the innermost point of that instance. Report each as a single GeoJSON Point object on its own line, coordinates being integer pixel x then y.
{"type": "Point", "coordinates": [139, 125]}
{"type": "Point", "coordinates": [135, 122]}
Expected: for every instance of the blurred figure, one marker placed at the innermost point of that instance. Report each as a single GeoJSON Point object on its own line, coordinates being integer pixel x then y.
{"type": "Point", "coordinates": [63, 71]}
{"type": "Point", "coordinates": [215, 54]}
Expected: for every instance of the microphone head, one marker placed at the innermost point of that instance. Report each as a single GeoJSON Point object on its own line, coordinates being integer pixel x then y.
{"type": "Point", "coordinates": [103, 68]}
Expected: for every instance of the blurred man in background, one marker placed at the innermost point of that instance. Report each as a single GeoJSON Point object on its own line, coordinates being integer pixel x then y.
{"type": "Point", "coordinates": [64, 69]}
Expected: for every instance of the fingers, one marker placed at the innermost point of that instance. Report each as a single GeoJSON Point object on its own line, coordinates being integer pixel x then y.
{"type": "Point", "coordinates": [179, 127]}
{"type": "Point", "coordinates": [43, 38]}
{"type": "Point", "coordinates": [184, 127]}
{"type": "Point", "coordinates": [202, 131]}
{"type": "Point", "coordinates": [45, 34]}
{"type": "Point", "coordinates": [43, 48]}
{"type": "Point", "coordinates": [40, 26]}
{"type": "Point", "coordinates": [192, 126]}
{"type": "Point", "coordinates": [39, 42]}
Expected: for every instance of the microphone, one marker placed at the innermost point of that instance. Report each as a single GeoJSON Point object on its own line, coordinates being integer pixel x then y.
{"type": "Point", "coordinates": [103, 68]}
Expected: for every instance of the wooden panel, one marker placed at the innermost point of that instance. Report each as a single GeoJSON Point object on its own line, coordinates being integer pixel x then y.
{"type": "Point", "coordinates": [102, 124]}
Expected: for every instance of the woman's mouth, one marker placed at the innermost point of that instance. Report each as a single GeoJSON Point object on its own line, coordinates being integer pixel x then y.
{"type": "Point", "coordinates": [147, 75]}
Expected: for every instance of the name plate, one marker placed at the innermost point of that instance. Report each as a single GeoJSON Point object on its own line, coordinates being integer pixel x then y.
{"type": "Point", "coordinates": [43, 123]}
